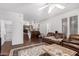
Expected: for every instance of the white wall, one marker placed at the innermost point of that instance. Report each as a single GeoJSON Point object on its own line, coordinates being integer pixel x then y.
{"type": "Point", "coordinates": [16, 27]}
{"type": "Point", "coordinates": [56, 21]}
{"type": "Point", "coordinates": [43, 28]}
{"type": "Point", "coordinates": [17, 37]}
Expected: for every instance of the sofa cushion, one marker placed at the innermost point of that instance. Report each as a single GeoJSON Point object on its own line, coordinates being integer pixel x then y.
{"type": "Point", "coordinates": [75, 41]}
{"type": "Point", "coordinates": [72, 41]}
{"type": "Point", "coordinates": [72, 45]}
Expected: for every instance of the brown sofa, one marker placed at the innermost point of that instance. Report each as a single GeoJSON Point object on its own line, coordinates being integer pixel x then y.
{"type": "Point", "coordinates": [72, 42]}
{"type": "Point", "coordinates": [51, 34]}
{"type": "Point", "coordinates": [60, 35]}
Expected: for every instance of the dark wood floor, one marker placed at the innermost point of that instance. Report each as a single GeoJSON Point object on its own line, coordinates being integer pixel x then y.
{"type": "Point", "coordinates": [5, 50]}
{"type": "Point", "coordinates": [26, 42]}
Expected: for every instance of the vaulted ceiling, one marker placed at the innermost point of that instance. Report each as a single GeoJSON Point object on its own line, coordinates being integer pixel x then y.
{"type": "Point", "coordinates": [31, 10]}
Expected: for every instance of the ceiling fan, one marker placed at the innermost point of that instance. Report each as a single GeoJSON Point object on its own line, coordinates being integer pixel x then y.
{"type": "Point", "coordinates": [51, 6]}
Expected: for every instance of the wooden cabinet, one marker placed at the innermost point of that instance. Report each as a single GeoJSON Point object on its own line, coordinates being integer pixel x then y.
{"type": "Point", "coordinates": [35, 34]}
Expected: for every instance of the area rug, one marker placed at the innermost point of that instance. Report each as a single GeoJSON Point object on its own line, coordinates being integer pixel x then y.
{"type": "Point", "coordinates": [31, 50]}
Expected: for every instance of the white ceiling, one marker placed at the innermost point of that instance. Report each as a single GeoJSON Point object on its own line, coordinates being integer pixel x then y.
{"type": "Point", "coordinates": [31, 10]}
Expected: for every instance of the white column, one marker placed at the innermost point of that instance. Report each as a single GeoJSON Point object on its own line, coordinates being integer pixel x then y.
{"type": "Point", "coordinates": [3, 32]}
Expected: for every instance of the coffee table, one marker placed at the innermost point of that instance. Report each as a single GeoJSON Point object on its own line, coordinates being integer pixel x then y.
{"type": "Point", "coordinates": [57, 50]}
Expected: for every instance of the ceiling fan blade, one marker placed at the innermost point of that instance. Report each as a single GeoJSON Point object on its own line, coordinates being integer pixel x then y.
{"type": "Point", "coordinates": [59, 6]}
{"type": "Point", "coordinates": [43, 7]}
{"type": "Point", "coordinates": [50, 8]}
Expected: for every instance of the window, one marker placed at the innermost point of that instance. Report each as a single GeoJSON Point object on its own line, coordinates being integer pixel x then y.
{"type": "Point", "coordinates": [74, 25]}
{"type": "Point", "coordinates": [64, 26]}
